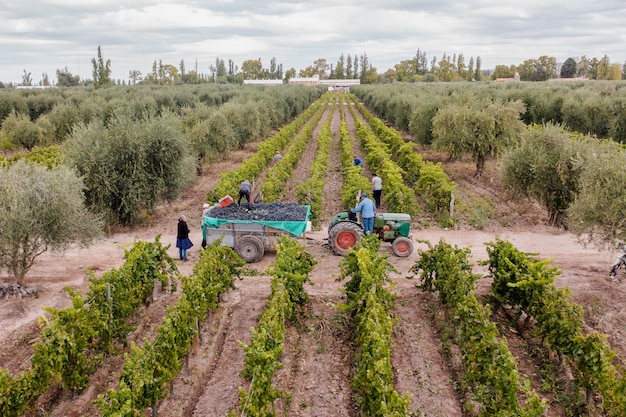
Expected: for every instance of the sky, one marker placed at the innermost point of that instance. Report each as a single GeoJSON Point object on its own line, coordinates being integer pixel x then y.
{"type": "Point", "coordinates": [43, 36]}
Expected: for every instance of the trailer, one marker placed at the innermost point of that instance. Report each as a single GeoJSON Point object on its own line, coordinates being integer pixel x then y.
{"type": "Point", "coordinates": [250, 238]}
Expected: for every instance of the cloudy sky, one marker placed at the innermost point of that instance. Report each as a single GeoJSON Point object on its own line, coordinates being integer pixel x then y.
{"type": "Point", "coordinates": [41, 36]}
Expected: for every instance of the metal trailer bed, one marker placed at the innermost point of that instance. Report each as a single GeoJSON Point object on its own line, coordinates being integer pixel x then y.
{"type": "Point", "coordinates": [251, 238]}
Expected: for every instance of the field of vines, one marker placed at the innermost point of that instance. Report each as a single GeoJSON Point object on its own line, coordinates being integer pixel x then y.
{"type": "Point", "coordinates": [307, 333]}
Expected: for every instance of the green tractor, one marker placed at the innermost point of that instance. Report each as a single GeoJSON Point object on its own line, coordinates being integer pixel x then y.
{"type": "Point", "coordinates": [345, 231]}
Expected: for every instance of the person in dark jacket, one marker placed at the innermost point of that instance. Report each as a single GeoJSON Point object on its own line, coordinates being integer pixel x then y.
{"type": "Point", "coordinates": [245, 189]}
{"type": "Point", "coordinates": [182, 238]}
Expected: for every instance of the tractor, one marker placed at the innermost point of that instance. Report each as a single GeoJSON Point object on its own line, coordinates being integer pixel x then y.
{"type": "Point", "coordinates": [345, 231]}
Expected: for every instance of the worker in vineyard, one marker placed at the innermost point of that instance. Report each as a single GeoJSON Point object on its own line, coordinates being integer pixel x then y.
{"type": "Point", "coordinates": [377, 187]}
{"type": "Point", "coordinates": [182, 238]}
{"type": "Point", "coordinates": [205, 212]}
{"type": "Point", "coordinates": [245, 189]}
{"type": "Point", "coordinates": [358, 162]}
{"type": "Point", "coordinates": [368, 212]}
{"type": "Point", "coordinates": [277, 157]}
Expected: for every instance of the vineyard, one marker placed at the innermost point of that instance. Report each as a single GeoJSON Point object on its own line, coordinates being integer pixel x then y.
{"type": "Point", "coordinates": [511, 318]}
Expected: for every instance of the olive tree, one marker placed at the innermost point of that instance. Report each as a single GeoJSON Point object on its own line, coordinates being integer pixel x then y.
{"type": "Point", "coordinates": [41, 210]}
{"type": "Point", "coordinates": [477, 128]}
{"type": "Point", "coordinates": [546, 166]}
{"type": "Point", "coordinates": [130, 165]}
{"type": "Point", "coordinates": [598, 213]}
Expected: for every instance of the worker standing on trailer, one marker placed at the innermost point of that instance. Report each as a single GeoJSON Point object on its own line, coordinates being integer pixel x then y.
{"type": "Point", "coordinates": [245, 189]}
{"type": "Point", "coordinates": [368, 212]}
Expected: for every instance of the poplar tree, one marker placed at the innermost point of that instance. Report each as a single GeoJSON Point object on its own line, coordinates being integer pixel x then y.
{"type": "Point", "coordinates": [101, 70]}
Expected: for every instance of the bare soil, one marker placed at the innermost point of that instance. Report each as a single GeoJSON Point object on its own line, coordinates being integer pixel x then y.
{"type": "Point", "coordinates": [319, 354]}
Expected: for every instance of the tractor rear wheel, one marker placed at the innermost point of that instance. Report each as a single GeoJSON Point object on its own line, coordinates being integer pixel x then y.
{"type": "Point", "coordinates": [343, 236]}
{"type": "Point", "coordinates": [402, 246]}
{"type": "Point", "coordinates": [250, 248]}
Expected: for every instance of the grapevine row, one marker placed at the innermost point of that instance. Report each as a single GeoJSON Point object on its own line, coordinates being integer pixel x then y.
{"type": "Point", "coordinates": [525, 282]}
{"type": "Point", "coordinates": [262, 356]}
{"type": "Point", "coordinates": [490, 368]}
{"type": "Point", "coordinates": [370, 301]}
{"type": "Point", "coordinates": [310, 192]}
{"type": "Point", "coordinates": [74, 339]}
{"type": "Point", "coordinates": [278, 175]}
{"type": "Point", "coordinates": [429, 180]}
{"type": "Point", "coordinates": [147, 370]}
{"type": "Point", "coordinates": [398, 196]}
{"type": "Point", "coordinates": [251, 167]}
{"type": "Point", "coordinates": [354, 180]}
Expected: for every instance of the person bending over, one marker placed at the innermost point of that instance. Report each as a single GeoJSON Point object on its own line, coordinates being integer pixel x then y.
{"type": "Point", "coordinates": [244, 192]}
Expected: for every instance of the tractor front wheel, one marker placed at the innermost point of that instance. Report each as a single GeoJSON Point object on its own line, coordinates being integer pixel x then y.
{"type": "Point", "coordinates": [344, 236]}
{"type": "Point", "coordinates": [402, 247]}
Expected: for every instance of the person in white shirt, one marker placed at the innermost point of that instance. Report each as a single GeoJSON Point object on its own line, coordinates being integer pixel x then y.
{"type": "Point", "coordinates": [377, 186]}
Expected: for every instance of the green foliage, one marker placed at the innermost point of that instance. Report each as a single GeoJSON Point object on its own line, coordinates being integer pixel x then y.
{"type": "Point", "coordinates": [547, 166]}
{"type": "Point", "coordinates": [148, 369]}
{"type": "Point", "coordinates": [251, 167]}
{"type": "Point", "coordinates": [370, 301]}
{"type": "Point", "coordinates": [353, 178]}
{"type": "Point", "coordinates": [213, 138]}
{"type": "Point", "coordinates": [446, 269]}
{"type": "Point", "coordinates": [72, 340]}
{"type": "Point", "coordinates": [568, 70]}
{"type": "Point", "coordinates": [434, 187]}
{"type": "Point", "coordinates": [21, 132]}
{"type": "Point", "coordinates": [293, 265]}
{"type": "Point", "coordinates": [101, 71]}
{"type": "Point", "coordinates": [311, 191]}
{"type": "Point", "coordinates": [63, 118]}
{"type": "Point", "coordinates": [67, 338]}
{"type": "Point", "coordinates": [41, 210]}
{"type": "Point", "coordinates": [50, 157]}
{"type": "Point", "coordinates": [587, 112]}
{"type": "Point", "coordinates": [524, 282]}
{"type": "Point", "coordinates": [480, 130]}
{"type": "Point", "coordinates": [597, 213]}
{"type": "Point", "coordinates": [129, 166]}
{"type": "Point", "coordinates": [490, 369]}
{"type": "Point", "coordinates": [119, 292]}
{"type": "Point", "coordinates": [262, 356]}
{"type": "Point", "coordinates": [277, 176]}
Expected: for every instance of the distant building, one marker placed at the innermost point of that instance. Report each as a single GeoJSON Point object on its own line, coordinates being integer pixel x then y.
{"type": "Point", "coordinates": [569, 79]}
{"type": "Point", "coordinates": [314, 80]}
{"type": "Point", "coordinates": [333, 85]}
{"type": "Point", "coordinates": [263, 82]}
{"type": "Point", "coordinates": [33, 87]}
{"type": "Point", "coordinates": [508, 80]}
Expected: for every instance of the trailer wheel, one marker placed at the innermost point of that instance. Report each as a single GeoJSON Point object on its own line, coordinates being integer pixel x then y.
{"type": "Point", "coordinates": [250, 248]}
{"type": "Point", "coordinates": [343, 236]}
{"type": "Point", "coordinates": [402, 246]}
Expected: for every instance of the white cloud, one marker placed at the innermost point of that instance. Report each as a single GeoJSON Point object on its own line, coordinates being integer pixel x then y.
{"type": "Point", "coordinates": [54, 34]}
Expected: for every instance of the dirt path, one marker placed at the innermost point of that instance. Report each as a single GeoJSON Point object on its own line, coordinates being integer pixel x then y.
{"type": "Point", "coordinates": [318, 354]}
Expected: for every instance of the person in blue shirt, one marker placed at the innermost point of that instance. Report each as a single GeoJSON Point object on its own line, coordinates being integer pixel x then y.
{"type": "Point", "coordinates": [368, 212]}
{"type": "Point", "coordinates": [358, 162]}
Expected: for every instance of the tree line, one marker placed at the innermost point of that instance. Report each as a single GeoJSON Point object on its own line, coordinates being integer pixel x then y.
{"type": "Point", "coordinates": [448, 68]}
